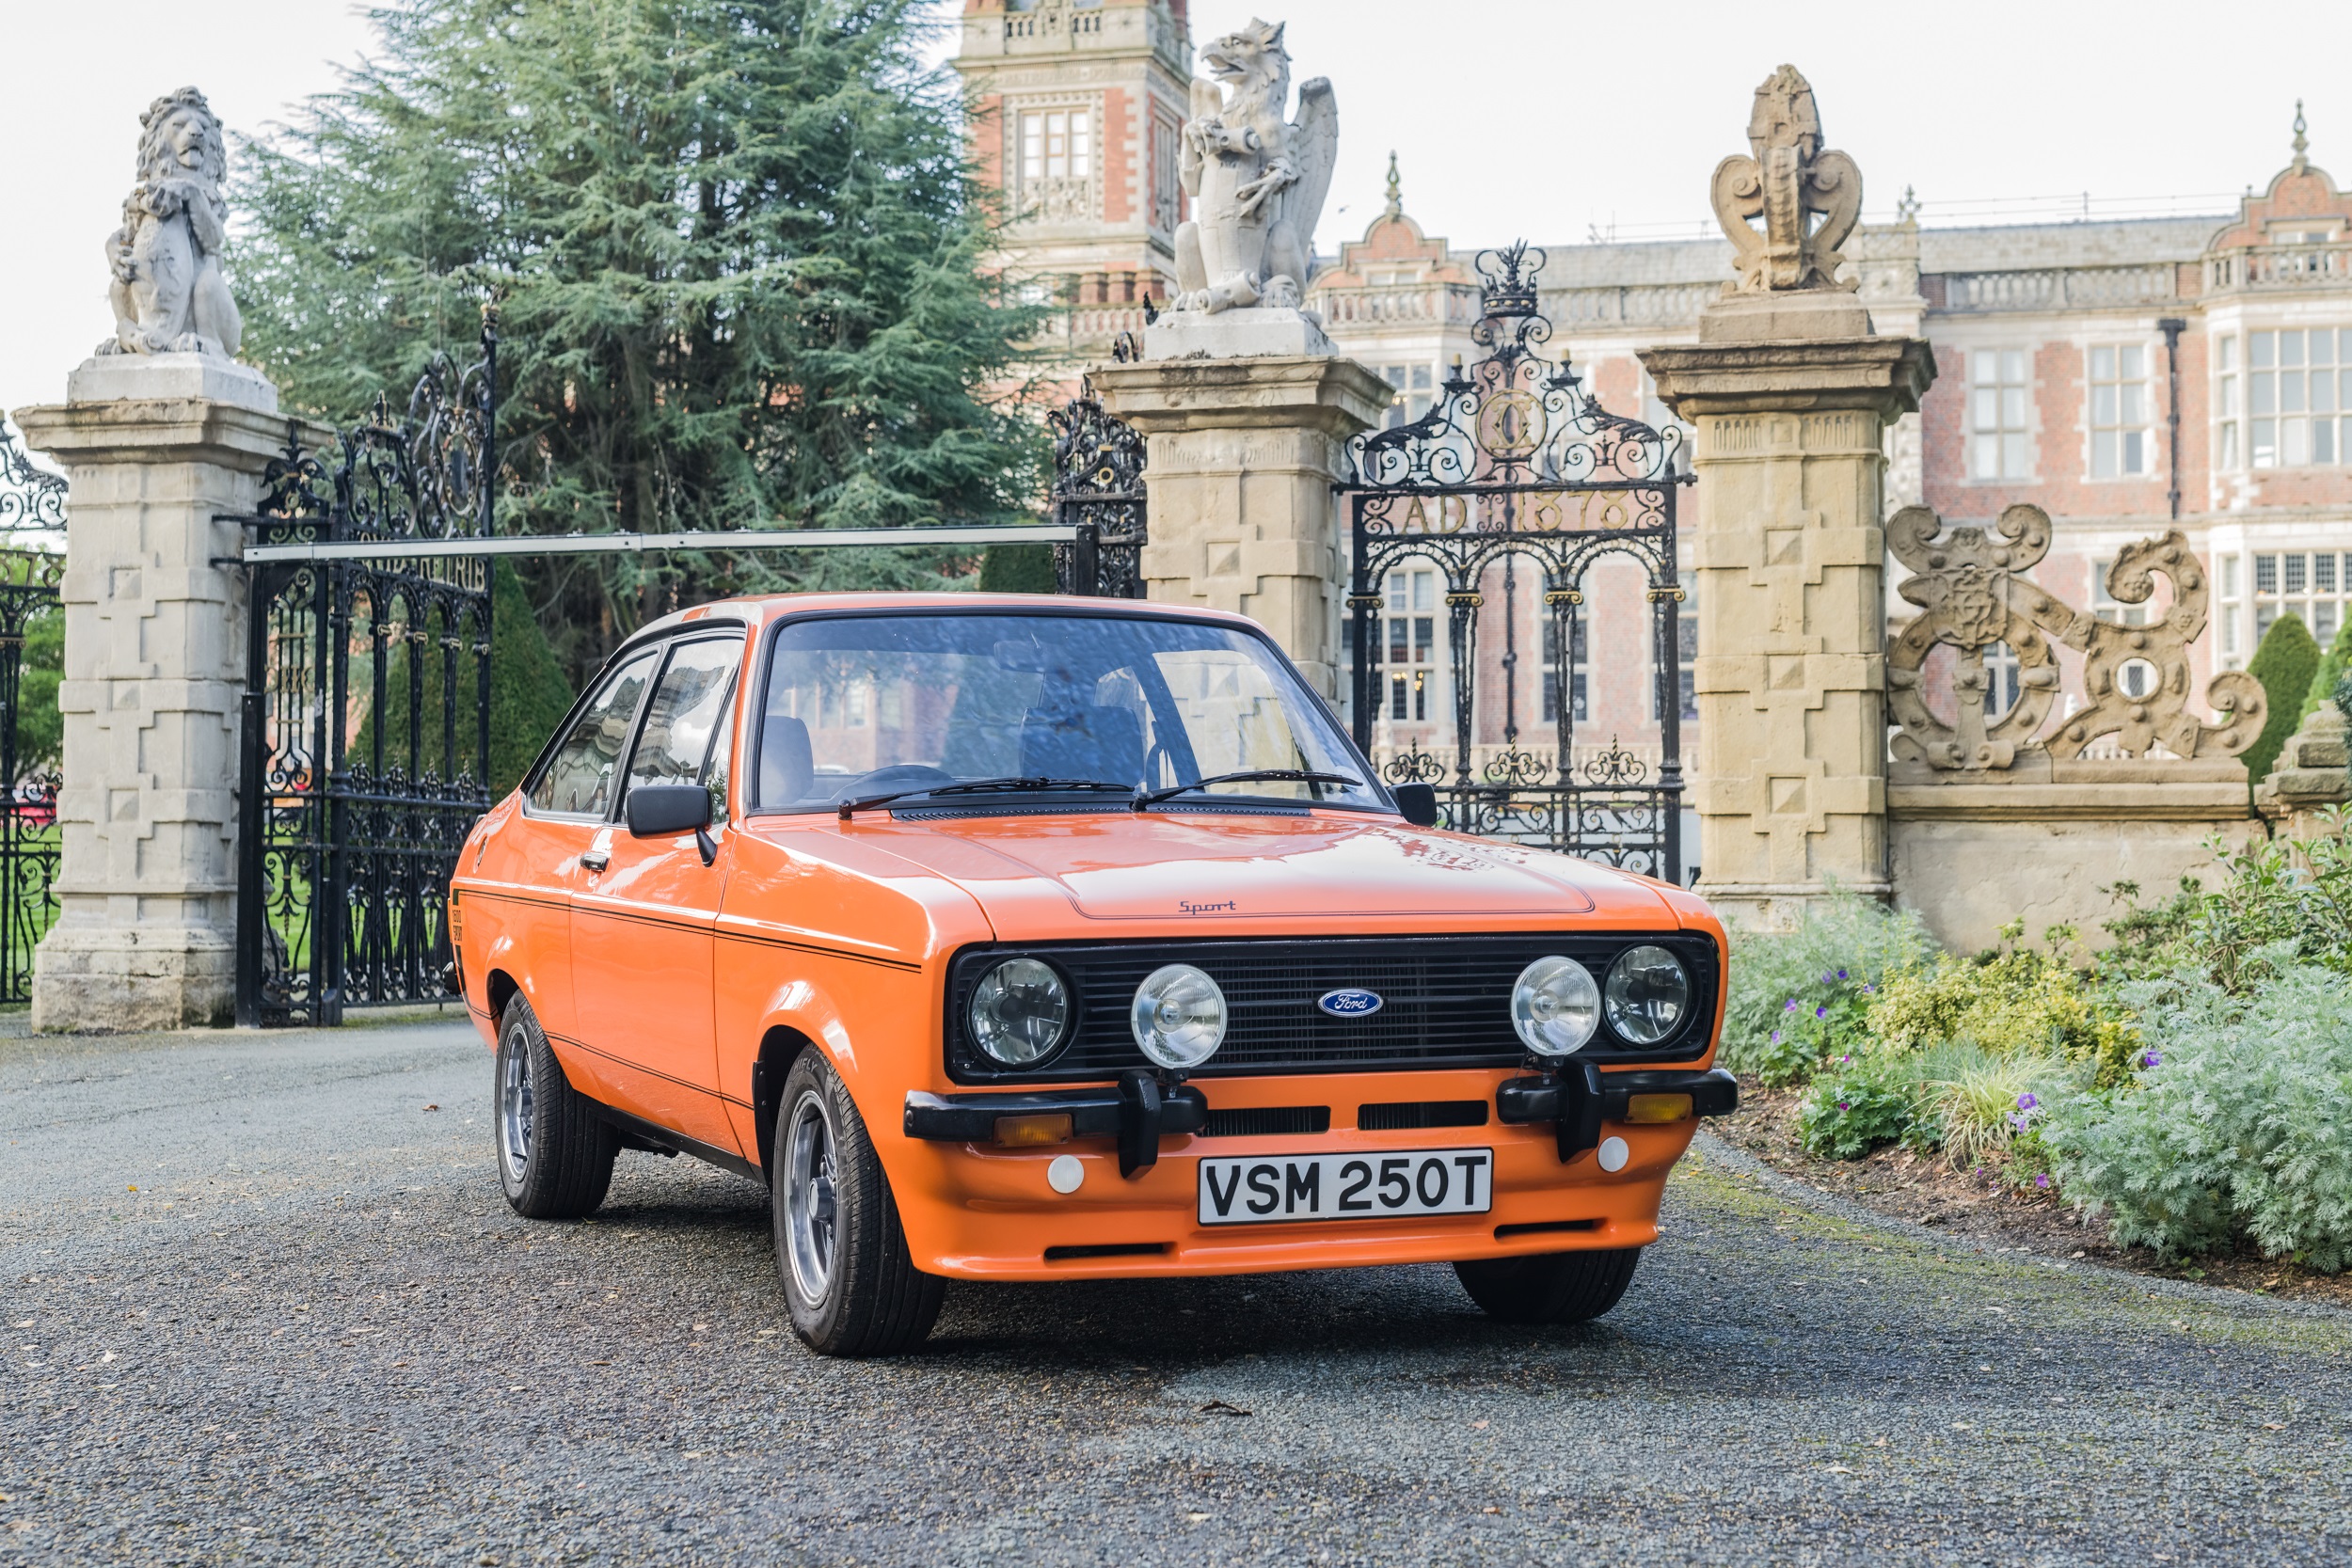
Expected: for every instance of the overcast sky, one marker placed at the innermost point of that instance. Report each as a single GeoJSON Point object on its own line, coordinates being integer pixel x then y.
{"type": "Point", "coordinates": [1546, 118]}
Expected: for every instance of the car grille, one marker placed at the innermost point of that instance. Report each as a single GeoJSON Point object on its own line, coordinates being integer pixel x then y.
{"type": "Point", "coordinates": [1445, 1002]}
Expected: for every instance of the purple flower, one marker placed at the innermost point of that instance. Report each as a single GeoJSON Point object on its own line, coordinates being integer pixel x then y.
{"type": "Point", "coordinates": [1844, 1105]}
{"type": "Point", "coordinates": [1792, 1006]}
{"type": "Point", "coordinates": [1821, 1012]}
{"type": "Point", "coordinates": [1841, 974]}
{"type": "Point", "coordinates": [2016, 1122]}
{"type": "Point", "coordinates": [1828, 979]}
{"type": "Point", "coordinates": [2153, 1058]}
{"type": "Point", "coordinates": [1843, 1060]}
{"type": "Point", "coordinates": [2041, 1181]}
{"type": "Point", "coordinates": [2026, 1101]}
{"type": "Point", "coordinates": [1775, 1036]}
{"type": "Point", "coordinates": [1867, 989]}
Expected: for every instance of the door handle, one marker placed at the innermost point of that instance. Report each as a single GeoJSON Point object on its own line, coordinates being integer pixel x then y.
{"type": "Point", "coordinates": [597, 860]}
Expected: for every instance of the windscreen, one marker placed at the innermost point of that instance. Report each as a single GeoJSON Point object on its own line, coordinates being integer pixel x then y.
{"type": "Point", "coordinates": [859, 706]}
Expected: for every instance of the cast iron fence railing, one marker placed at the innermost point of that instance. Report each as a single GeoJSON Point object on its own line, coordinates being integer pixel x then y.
{"type": "Point", "coordinates": [367, 708]}
{"type": "Point", "coordinates": [1098, 490]}
{"type": "Point", "coordinates": [32, 560]}
{"type": "Point", "coordinates": [1517, 460]}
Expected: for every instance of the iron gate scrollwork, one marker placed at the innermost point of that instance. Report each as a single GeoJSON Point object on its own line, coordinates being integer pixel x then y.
{"type": "Point", "coordinates": [367, 716]}
{"type": "Point", "coordinates": [32, 560]}
{"type": "Point", "coordinates": [1098, 490]}
{"type": "Point", "coordinates": [1514, 461]}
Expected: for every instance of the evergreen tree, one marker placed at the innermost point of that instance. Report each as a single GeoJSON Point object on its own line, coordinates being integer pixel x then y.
{"type": "Point", "coordinates": [2284, 663]}
{"type": "Point", "coordinates": [735, 246]}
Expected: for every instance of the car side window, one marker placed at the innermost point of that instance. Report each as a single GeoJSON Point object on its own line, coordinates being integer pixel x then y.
{"type": "Point", "coordinates": [580, 780]}
{"type": "Point", "coordinates": [690, 707]}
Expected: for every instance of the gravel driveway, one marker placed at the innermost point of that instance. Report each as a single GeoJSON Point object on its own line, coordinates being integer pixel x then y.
{"type": "Point", "coordinates": [263, 1305]}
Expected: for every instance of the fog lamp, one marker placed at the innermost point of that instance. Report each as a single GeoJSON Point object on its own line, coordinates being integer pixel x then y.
{"type": "Point", "coordinates": [1178, 1017]}
{"type": "Point", "coordinates": [1652, 1107]}
{"type": "Point", "coordinates": [1029, 1131]}
{"type": "Point", "coordinates": [1555, 1007]}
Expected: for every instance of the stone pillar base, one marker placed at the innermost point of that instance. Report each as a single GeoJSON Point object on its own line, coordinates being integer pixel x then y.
{"type": "Point", "coordinates": [1242, 454]}
{"type": "Point", "coordinates": [110, 979]}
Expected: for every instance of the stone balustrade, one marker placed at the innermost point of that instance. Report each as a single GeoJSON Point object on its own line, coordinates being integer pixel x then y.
{"type": "Point", "coordinates": [2263, 268]}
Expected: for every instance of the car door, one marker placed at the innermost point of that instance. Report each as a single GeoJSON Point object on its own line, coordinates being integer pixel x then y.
{"type": "Point", "coordinates": [644, 914]}
{"type": "Point", "coordinates": [566, 809]}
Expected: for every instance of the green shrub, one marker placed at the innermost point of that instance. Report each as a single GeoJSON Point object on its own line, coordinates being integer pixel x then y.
{"type": "Point", "coordinates": [1017, 569]}
{"type": "Point", "coordinates": [1781, 980]}
{"type": "Point", "coordinates": [2284, 662]}
{"type": "Point", "coordinates": [39, 726]}
{"type": "Point", "coordinates": [2014, 1001]}
{"type": "Point", "coordinates": [1867, 1102]}
{"type": "Point", "coordinates": [2335, 668]}
{"type": "Point", "coordinates": [2234, 1124]}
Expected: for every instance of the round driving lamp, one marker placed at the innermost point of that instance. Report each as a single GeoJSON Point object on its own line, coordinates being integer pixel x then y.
{"type": "Point", "coordinates": [1555, 1005]}
{"type": "Point", "coordinates": [1648, 995]}
{"type": "Point", "coordinates": [1178, 1017]}
{"type": "Point", "coordinates": [1019, 1012]}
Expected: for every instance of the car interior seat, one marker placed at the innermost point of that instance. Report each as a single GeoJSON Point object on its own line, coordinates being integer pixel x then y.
{"type": "Point", "coordinates": [1104, 743]}
{"type": "Point", "coordinates": [787, 773]}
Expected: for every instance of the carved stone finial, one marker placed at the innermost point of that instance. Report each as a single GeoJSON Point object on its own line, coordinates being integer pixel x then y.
{"type": "Point", "coordinates": [169, 295]}
{"type": "Point", "coordinates": [1971, 585]}
{"type": "Point", "coordinates": [2303, 143]}
{"type": "Point", "coordinates": [1787, 178]}
{"type": "Point", "coordinates": [1257, 180]}
{"type": "Point", "coordinates": [1396, 190]}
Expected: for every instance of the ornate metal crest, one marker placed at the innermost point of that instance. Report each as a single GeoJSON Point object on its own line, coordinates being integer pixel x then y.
{"type": "Point", "coordinates": [1098, 484]}
{"type": "Point", "coordinates": [1514, 421]}
{"type": "Point", "coordinates": [30, 497]}
{"type": "Point", "coordinates": [1970, 586]}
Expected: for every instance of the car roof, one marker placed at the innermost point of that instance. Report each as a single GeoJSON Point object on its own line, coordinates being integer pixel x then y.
{"type": "Point", "coordinates": [761, 608]}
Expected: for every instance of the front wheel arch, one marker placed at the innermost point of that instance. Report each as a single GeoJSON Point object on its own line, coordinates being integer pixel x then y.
{"type": "Point", "coordinates": [778, 1049]}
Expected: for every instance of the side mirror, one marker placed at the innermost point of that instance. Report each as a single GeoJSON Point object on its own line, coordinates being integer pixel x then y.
{"type": "Point", "coordinates": [659, 811]}
{"type": "Point", "coordinates": [1417, 804]}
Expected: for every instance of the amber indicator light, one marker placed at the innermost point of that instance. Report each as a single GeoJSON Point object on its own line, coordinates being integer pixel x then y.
{"type": "Point", "coordinates": [1638, 1107]}
{"type": "Point", "coordinates": [1030, 1132]}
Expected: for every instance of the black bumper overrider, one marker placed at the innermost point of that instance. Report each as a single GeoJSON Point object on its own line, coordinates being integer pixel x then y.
{"type": "Point", "coordinates": [1138, 1111]}
{"type": "Point", "coordinates": [1579, 1097]}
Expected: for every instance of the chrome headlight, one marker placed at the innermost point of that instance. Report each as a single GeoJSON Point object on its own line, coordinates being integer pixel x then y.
{"type": "Point", "coordinates": [1178, 1017]}
{"type": "Point", "coordinates": [1019, 1012]}
{"type": "Point", "coordinates": [1555, 1007]}
{"type": "Point", "coordinates": [1648, 996]}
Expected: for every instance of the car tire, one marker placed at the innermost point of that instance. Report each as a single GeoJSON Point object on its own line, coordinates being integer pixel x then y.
{"type": "Point", "coordinates": [554, 1154]}
{"type": "Point", "coordinates": [853, 1288]}
{"type": "Point", "coordinates": [1552, 1288]}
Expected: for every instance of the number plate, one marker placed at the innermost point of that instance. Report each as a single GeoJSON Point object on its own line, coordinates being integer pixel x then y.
{"type": "Point", "coordinates": [1272, 1188]}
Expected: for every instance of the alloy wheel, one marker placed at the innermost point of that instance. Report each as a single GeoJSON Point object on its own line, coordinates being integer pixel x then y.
{"type": "Point", "coordinates": [809, 1197]}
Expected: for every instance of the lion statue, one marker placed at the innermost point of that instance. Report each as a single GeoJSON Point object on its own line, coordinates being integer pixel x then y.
{"type": "Point", "coordinates": [168, 293]}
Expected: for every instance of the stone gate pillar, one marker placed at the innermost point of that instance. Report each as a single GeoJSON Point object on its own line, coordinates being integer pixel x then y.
{"type": "Point", "coordinates": [156, 445]}
{"type": "Point", "coordinates": [1243, 453]}
{"type": "Point", "coordinates": [1791, 392]}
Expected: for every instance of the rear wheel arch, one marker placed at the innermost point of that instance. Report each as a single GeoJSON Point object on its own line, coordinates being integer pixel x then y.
{"type": "Point", "coordinates": [501, 988]}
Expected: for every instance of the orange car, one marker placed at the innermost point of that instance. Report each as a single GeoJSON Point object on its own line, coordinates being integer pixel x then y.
{"type": "Point", "coordinates": [1015, 938]}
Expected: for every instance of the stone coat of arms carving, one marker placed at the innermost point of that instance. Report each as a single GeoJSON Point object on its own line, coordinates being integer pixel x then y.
{"type": "Point", "coordinates": [1970, 586]}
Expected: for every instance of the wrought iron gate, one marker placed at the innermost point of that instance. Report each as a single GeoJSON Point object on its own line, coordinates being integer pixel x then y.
{"type": "Point", "coordinates": [1098, 490]}
{"type": "Point", "coordinates": [32, 558]}
{"type": "Point", "coordinates": [1516, 459]}
{"type": "Point", "coordinates": [367, 707]}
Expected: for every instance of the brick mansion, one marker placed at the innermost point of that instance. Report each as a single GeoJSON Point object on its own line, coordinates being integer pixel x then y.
{"type": "Point", "coordinates": [2128, 376]}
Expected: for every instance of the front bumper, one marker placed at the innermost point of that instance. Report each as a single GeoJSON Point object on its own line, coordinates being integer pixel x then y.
{"type": "Point", "coordinates": [976, 1206]}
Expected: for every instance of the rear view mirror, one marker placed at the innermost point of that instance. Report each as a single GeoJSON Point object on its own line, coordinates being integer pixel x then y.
{"type": "Point", "coordinates": [1417, 804]}
{"type": "Point", "coordinates": [656, 810]}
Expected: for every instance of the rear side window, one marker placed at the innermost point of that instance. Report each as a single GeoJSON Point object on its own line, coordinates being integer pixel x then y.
{"type": "Point", "coordinates": [691, 707]}
{"type": "Point", "coordinates": [580, 779]}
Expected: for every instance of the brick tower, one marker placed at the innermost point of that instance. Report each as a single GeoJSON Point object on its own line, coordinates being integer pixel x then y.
{"type": "Point", "coordinates": [1077, 105]}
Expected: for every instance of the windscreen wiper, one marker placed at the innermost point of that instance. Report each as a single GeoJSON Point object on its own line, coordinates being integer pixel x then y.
{"type": "Point", "coordinates": [1253, 775]}
{"type": "Point", "coordinates": [976, 787]}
